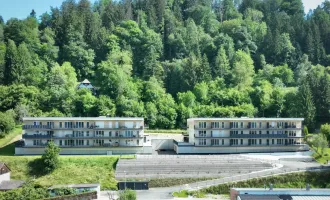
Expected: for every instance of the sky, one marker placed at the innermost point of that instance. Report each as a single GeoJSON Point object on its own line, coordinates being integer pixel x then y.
{"type": "Point", "coordinates": [22, 8]}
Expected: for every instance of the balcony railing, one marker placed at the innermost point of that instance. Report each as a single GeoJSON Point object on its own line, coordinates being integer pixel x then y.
{"type": "Point", "coordinates": [36, 136]}
{"type": "Point", "coordinates": [37, 127]}
{"type": "Point", "coordinates": [79, 127]}
{"type": "Point", "coordinates": [258, 135]}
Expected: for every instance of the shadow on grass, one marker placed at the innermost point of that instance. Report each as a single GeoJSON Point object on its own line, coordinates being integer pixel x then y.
{"type": "Point", "coordinates": [36, 168]}
{"type": "Point", "coordinates": [8, 150]}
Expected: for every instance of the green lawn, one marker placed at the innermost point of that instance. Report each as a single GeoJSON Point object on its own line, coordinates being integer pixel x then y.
{"type": "Point", "coordinates": [73, 169]}
{"type": "Point", "coordinates": [181, 194]}
{"type": "Point", "coordinates": [322, 159]}
{"type": "Point", "coordinates": [10, 136]}
{"type": "Point", "coordinates": [165, 131]}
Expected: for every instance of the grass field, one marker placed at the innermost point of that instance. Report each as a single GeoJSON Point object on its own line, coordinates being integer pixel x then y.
{"type": "Point", "coordinates": [165, 131]}
{"type": "Point", "coordinates": [10, 136]}
{"type": "Point", "coordinates": [73, 169]}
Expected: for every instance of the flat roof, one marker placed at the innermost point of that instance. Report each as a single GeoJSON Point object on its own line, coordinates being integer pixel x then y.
{"type": "Point", "coordinates": [281, 197]}
{"type": "Point", "coordinates": [11, 184]}
{"type": "Point", "coordinates": [282, 189]}
{"type": "Point", "coordinates": [83, 118]}
{"type": "Point", "coordinates": [245, 119]}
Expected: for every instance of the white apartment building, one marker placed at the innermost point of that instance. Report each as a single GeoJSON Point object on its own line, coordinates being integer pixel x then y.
{"type": "Point", "coordinates": [242, 135]}
{"type": "Point", "coordinates": [84, 135]}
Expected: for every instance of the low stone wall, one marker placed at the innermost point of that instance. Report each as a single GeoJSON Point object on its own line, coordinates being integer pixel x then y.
{"type": "Point", "coordinates": [82, 196]}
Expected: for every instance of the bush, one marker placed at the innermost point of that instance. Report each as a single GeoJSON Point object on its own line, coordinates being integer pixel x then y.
{"type": "Point", "coordinates": [127, 195]}
{"type": "Point", "coordinates": [50, 157]}
{"type": "Point", "coordinates": [7, 122]}
{"type": "Point", "coordinates": [29, 191]}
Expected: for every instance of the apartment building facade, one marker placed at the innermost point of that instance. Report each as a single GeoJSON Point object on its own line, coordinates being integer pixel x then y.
{"type": "Point", "coordinates": [84, 135]}
{"type": "Point", "coordinates": [243, 135]}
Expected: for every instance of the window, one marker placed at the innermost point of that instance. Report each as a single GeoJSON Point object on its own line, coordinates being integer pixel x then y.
{"type": "Point", "coordinates": [242, 124]}
{"type": "Point", "coordinates": [215, 125]}
{"type": "Point", "coordinates": [233, 124]}
{"type": "Point", "coordinates": [79, 124]}
{"type": "Point", "coordinates": [78, 133]}
{"type": "Point", "coordinates": [60, 124]}
{"type": "Point", "coordinates": [36, 142]}
{"type": "Point", "coordinates": [260, 132]}
{"type": "Point", "coordinates": [68, 124]}
{"type": "Point", "coordinates": [215, 142]}
{"type": "Point", "coordinates": [87, 124]}
{"type": "Point", "coordinates": [128, 133]}
{"type": "Point", "coordinates": [60, 142]}
{"type": "Point", "coordinates": [68, 142]}
{"type": "Point", "coordinates": [87, 142]}
{"type": "Point", "coordinates": [260, 141]}
{"type": "Point", "coordinates": [252, 125]}
{"type": "Point", "coordinates": [272, 141]}
{"type": "Point", "coordinates": [202, 124]}
{"type": "Point", "coordinates": [242, 132]}
{"type": "Point", "coordinates": [233, 142]}
{"type": "Point", "coordinates": [202, 133]}
{"type": "Point", "coordinates": [223, 124]}
{"type": "Point", "coordinates": [110, 134]}
{"type": "Point", "coordinates": [241, 141]}
{"type": "Point", "coordinates": [87, 133]}
{"type": "Point", "coordinates": [223, 142]}
{"type": "Point", "coordinates": [260, 124]}
{"type": "Point", "coordinates": [79, 142]}
{"type": "Point", "coordinates": [233, 132]}
{"type": "Point", "coordinates": [99, 142]}
{"type": "Point", "coordinates": [99, 134]}
{"type": "Point", "coordinates": [50, 124]}
{"type": "Point", "coordinates": [202, 142]}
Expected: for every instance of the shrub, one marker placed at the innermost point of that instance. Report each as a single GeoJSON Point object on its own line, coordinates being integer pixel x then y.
{"type": "Point", "coordinates": [127, 195]}
{"type": "Point", "coordinates": [50, 157]}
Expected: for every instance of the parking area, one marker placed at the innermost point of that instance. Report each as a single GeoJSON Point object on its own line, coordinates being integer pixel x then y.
{"type": "Point", "coordinates": [187, 166]}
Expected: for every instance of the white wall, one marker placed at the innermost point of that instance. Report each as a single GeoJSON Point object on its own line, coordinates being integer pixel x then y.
{"type": "Point", "coordinates": [5, 177]}
{"type": "Point", "coordinates": [255, 149]}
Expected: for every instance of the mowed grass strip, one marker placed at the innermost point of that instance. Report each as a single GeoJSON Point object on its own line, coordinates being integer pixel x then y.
{"type": "Point", "coordinates": [10, 136]}
{"type": "Point", "coordinates": [72, 170]}
{"type": "Point", "coordinates": [164, 131]}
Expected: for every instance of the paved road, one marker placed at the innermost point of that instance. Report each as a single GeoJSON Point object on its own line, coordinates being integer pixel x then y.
{"type": "Point", "coordinates": [280, 167]}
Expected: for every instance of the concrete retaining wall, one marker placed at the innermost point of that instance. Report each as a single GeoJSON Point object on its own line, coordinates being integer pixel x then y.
{"type": "Point", "coordinates": [162, 144]}
{"type": "Point", "coordinates": [255, 149]}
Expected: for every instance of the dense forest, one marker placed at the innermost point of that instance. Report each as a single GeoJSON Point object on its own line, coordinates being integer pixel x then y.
{"type": "Point", "coordinates": [168, 60]}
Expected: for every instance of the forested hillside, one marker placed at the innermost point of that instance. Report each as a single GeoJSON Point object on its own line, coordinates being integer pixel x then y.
{"type": "Point", "coordinates": [167, 60]}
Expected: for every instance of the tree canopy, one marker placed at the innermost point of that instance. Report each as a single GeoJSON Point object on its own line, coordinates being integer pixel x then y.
{"type": "Point", "coordinates": [168, 60]}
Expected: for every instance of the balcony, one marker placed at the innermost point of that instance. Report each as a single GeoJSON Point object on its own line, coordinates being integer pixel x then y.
{"type": "Point", "coordinates": [258, 135]}
{"type": "Point", "coordinates": [71, 136]}
{"type": "Point", "coordinates": [25, 127]}
{"type": "Point", "coordinates": [36, 136]}
{"type": "Point", "coordinates": [201, 128]}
